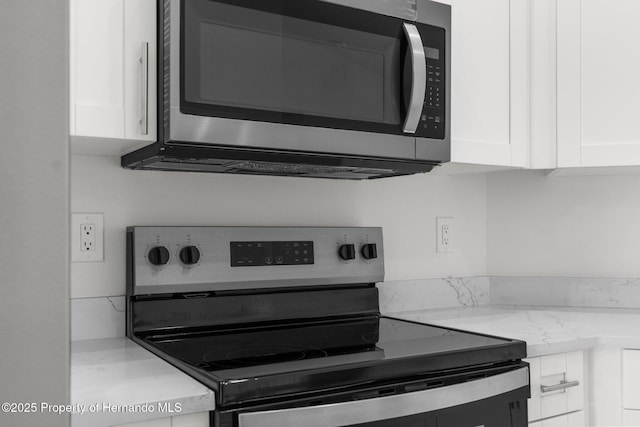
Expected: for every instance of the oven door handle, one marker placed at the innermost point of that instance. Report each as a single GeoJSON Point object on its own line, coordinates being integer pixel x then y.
{"type": "Point", "coordinates": [389, 407]}
{"type": "Point", "coordinates": [418, 78]}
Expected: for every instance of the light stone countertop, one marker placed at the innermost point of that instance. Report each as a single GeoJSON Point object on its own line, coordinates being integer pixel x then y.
{"type": "Point", "coordinates": [115, 371]}
{"type": "Point", "coordinates": [547, 330]}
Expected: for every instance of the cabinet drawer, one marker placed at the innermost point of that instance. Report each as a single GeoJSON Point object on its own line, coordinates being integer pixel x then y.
{"type": "Point", "coordinates": [631, 379]}
{"type": "Point", "coordinates": [162, 422]}
{"type": "Point", "coordinates": [556, 385]}
{"type": "Point", "coordinates": [630, 418]}
{"type": "Point", "coordinates": [201, 419]}
{"type": "Point", "coordinates": [574, 419]}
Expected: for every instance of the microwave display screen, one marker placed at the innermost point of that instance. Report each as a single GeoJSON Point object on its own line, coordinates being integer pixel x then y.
{"type": "Point", "coordinates": [431, 53]}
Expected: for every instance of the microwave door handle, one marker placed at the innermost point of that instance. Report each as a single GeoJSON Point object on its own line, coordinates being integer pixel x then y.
{"type": "Point", "coordinates": [418, 78]}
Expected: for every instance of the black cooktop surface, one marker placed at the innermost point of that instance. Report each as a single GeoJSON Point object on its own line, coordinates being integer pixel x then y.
{"type": "Point", "coordinates": [383, 337]}
{"type": "Point", "coordinates": [326, 353]}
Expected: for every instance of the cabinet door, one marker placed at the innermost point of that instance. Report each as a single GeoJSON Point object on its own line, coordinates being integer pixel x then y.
{"type": "Point", "coordinates": [108, 42]}
{"type": "Point", "coordinates": [490, 82]}
{"type": "Point", "coordinates": [631, 380]}
{"type": "Point", "coordinates": [140, 50]}
{"type": "Point", "coordinates": [97, 64]}
{"type": "Point", "coordinates": [201, 419]}
{"type": "Point", "coordinates": [605, 386]}
{"type": "Point", "coordinates": [161, 422]}
{"type": "Point", "coordinates": [598, 84]}
{"type": "Point", "coordinates": [575, 419]}
{"type": "Point", "coordinates": [630, 418]}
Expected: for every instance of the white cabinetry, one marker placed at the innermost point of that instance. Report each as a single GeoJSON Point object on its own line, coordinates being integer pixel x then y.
{"type": "Point", "coordinates": [490, 82]}
{"type": "Point", "coordinates": [557, 390]}
{"type": "Point", "coordinates": [161, 422]}
{"type": "Point", "coordinates": [630, 417]}
{"type": "Point", "coordinates": [631, 387]}
{"type": "Point", "coordinates": [112, 70]}
{"type": "Point", "coordinates": [575, 419]}
{"type": "Point", "coordinates": [614, 387]}
{"type": "Point", "coordinates": [200, 419]}
{"type": "Point", "coordinates": [598, 89]}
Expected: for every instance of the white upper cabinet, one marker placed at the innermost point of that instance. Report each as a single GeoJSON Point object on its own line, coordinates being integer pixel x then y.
{"type": "Point", "coordinates": [490, 90]}
{"type": "Point", "coordinates": [598, 82]}
{"type": "Point", "coordinates": [113, 71]}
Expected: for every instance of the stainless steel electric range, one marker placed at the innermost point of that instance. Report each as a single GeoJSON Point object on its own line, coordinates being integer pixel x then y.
{"type": "Point", "coordinates": [283, 324]}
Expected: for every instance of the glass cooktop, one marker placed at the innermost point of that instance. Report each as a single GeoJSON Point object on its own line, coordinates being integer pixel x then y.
{"type": "Point", "coordinates": [282, 359]}
{"type": "Point", "coordinates": [371, 338]}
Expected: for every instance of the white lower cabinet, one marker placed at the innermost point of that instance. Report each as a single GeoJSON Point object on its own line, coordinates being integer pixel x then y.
{"type": "Point", "coordinates": [200, 419]}
{"type": "Point", "coordinates": [557, 390]}
{"type": "Point", "coordinates": [575, 419]}
{"type": "Point", "coordinates": [614, 387]}
{"type": "Point", "coordinates": [630, 418]}
{"type": "Point", "coordinates": [162, 422]}
{"type": "Point", "coordinates": [631, 387]}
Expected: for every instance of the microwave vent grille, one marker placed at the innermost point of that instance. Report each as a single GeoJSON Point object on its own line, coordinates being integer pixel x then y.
{"type": "Point", "coordinates": [289, 169]}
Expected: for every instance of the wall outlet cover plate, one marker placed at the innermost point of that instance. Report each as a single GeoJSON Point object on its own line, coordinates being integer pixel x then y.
{"type": "Point", "coordinates": [87, 237]}
{"type": "Point", "coordinates": [445, 235]}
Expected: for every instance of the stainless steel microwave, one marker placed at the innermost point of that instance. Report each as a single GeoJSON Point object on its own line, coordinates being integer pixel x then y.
{"type": "Point", "coordinates": [350, 89]}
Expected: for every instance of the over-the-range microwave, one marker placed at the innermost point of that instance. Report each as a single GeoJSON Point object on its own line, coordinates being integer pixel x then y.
{"type": "Point", "coordinates": [350, 89]}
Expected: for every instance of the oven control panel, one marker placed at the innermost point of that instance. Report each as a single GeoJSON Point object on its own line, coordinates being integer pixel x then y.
{"type": "Point", "coordinates": [254, 254]}
{"type": "Point", "coordinates": [202, 259]}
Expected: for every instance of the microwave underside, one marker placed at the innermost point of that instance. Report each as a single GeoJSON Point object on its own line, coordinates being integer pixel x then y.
{"type": "Point", "coordinates": [255, 161]}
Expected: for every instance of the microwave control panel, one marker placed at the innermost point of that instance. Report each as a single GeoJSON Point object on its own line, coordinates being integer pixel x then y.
{"type": "Point", "coordinates": [432, 119]}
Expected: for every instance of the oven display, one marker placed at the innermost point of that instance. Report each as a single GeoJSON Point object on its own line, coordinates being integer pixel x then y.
{"type": "Point", "coordinates": [253, 254]}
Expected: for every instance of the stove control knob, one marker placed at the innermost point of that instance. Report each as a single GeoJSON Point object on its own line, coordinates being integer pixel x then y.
{"type": "Point", "coordinates": [158, 255]}
{"type": "Point", "coordinates": [189, 255]}
{"type": "Point", "coordinates": [369, 251]}
{"type": "Point", "coordinates": [347, 252]}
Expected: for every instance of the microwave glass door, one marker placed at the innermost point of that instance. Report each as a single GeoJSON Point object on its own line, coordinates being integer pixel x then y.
{"type": "Point", "coordinates": [300, 62]}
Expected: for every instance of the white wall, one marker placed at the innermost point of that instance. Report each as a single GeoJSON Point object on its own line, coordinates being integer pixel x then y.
{"type": "Point", "coordinates": [575, 226]}
{"type": "Point", "coordinates": [34, 208]}
{"type": "Point", "coordinates": [580, 226]}
{"type": "Point", "coordinates": [405, 207]}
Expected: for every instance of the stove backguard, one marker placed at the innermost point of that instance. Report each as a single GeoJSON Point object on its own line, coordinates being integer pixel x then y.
{"type": "Point", "coordinates": [169, 260]}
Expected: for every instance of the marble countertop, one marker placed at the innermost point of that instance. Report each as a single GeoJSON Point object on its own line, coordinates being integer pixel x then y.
{"type": "Point", "coordinates": [547, 330]}
{"type": "Point", "coordinates": [115, 381]}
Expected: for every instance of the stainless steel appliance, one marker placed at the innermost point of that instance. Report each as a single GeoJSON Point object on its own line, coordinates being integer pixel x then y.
{"type": "Point", "coordinates": [349, 89]}
{"type": "Point", "coordinates": [283, 324]}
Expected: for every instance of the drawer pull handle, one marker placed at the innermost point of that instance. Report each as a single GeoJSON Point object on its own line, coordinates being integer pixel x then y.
{"type": "Point", "coordinates": [561, 386]}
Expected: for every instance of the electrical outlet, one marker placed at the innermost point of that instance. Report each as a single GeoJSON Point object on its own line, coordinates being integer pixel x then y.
{"type": "Point", "coordinates": [444, 235]}
{"type": "Point", "coordinates": [87, 236]}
